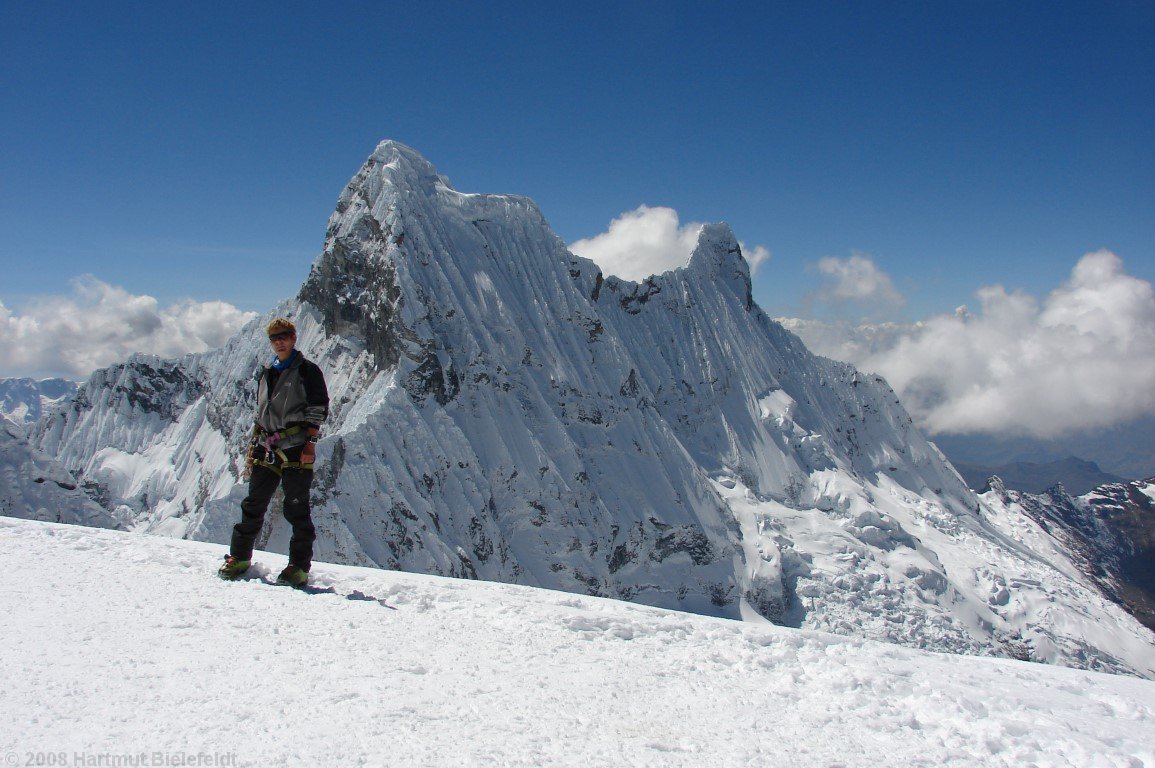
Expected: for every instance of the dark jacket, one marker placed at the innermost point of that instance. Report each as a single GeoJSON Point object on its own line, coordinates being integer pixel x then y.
{"type": "Point", "coordinates": [296, 396]}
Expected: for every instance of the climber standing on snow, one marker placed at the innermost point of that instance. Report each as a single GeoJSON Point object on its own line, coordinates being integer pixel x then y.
{"type": "Point", "coordinates": [292, 403]}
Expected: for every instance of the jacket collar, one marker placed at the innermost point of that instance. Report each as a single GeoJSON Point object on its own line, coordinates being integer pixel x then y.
{"type": "Point", "coordinates": [293, 359]}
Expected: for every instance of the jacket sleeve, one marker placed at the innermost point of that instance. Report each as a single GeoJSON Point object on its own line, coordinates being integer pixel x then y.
{"type": "Point", "coordinates": [316, 394]}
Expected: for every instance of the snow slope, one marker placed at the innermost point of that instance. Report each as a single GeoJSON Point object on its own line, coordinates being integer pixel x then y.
{"type": "Point", "coordinates": [504, 411]}
{"type": "Point", "coordinates": [118, 645]}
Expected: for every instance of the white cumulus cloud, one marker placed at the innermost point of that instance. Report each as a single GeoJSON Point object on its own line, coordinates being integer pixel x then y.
{"type": "Point", "coordinates": [648, 241]}
{"type": "Point", "coordinates": [1083, 357]}
{"type": "Point", "coordinates": [857, 280]}
{"type": "Point", "coordinates": [99, 324]}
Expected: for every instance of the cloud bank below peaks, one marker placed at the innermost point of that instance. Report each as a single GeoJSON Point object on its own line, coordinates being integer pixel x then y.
{"type": "Point", "coordinates": [100, 324]}
{"type": "Point", "coordinates": [1082, 358]}
{"type": "Point", "coordinates": [648, 241]}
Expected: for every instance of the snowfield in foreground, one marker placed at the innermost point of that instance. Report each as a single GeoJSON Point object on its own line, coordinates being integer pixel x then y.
{"type": "Point", "coordinates": [120, 647]}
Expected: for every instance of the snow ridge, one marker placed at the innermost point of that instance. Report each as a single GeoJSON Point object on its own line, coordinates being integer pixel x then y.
{"type": "Point", "coordinates": [503, 411]}
{"type": "Point", "coordinates": [429, 671]}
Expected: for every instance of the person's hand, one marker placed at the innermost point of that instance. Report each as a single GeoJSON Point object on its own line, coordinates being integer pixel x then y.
{"type": "Point", "coordinates": [248, 463]}
{"type": "Point", "coordinates": [309, 453]}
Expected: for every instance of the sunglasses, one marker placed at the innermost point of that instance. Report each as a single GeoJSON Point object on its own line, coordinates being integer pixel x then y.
{"type": "Point", "coordinates": [282, 336]}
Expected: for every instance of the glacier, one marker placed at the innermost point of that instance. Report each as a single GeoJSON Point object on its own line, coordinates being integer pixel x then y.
{"type": "Point", "coordinates": [502, 410]}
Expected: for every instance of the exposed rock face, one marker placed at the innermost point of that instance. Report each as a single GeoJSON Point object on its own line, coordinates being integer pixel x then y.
{"type": "Point", "coordinates": [1128, 510]}
{"type": "Point", "coordinates": [502, 410]}
{"type": "Point", "coordinates": [1110, 532]}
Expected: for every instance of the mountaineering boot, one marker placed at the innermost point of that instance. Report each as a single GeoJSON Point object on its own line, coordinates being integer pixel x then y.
{"type": "Point", "coordinates": [294, 576]}
{"type": "Point", "coordinates": [233, 568]}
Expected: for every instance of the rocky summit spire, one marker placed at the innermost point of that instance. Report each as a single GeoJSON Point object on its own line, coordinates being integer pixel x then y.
{"type": "Point", "coordinates": [502, 410]}
{"type": "Point", "coordinates": [718, 256]}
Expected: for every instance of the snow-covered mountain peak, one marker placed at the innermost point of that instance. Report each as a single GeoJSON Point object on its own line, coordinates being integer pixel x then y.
{"type": "Point", "coordinates": [396, 161]}
{"type": "Point", "coordinates": [501, 410]}
{"type": "Point", "coordinates": [718, 258]}
{"type": "Point", "coordinates": [396, 182]}
{"type": "Point", "coordinates": [407, 258]}
{"type": "Point", "coordinates": [716, 246]}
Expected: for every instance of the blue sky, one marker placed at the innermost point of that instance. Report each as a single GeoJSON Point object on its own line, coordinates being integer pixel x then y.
{"type": "Point", "coordinates": [166, 169]}
{"type": "Point", "coordinates": [197, 149]}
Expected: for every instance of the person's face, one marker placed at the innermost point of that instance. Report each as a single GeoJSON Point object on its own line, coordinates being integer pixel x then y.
{"type": "Point", "coordinates": [283, 343]}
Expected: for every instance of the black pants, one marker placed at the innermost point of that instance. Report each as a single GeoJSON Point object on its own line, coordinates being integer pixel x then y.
{"type": "Point", "coordinates": [262, 484]}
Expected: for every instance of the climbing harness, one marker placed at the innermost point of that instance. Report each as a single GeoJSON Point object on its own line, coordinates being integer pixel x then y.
{"type": "Point", "coordinates": [265, 451]}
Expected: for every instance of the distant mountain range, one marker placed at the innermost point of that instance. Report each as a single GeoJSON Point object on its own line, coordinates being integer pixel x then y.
{"type": "Point", "coordinates": [24, 401]}
{"type": "Point", "coordinates": [1126, 450]}
{"type": "Point", "coordinates": [1075, 475]}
